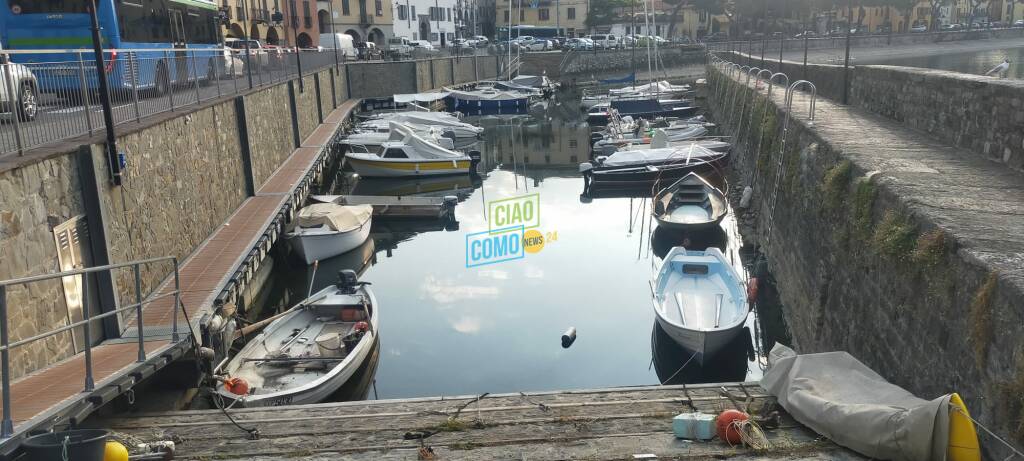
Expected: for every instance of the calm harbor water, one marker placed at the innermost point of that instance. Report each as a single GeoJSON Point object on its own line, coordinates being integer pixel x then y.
{"type": "Point", "coordinates": [975, 62]}
{"type": "Point", "coordinates": [449, 329]}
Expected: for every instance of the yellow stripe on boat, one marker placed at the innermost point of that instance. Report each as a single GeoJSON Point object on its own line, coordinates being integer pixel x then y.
{"type": "Point", "coordinates": [963, 437]}
{"type": "Point", "coordinates": [412, 166]}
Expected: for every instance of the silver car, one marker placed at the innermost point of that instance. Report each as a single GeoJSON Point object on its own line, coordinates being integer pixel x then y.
{"type": "Point", "coordinates": [24, 90]}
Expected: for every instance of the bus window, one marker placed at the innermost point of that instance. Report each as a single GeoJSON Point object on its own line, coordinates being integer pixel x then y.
{"type": "Point", "coordinates": [51, 6]}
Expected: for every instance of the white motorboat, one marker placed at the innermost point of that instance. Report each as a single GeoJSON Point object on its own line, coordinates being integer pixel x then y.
{"type": "Point", "coordinates": [372, 136]}
{"type": "Point", "coordinates": [699, 300]}
{"type": "Point", "coordinates": [323, 230]}
{"type": "Point", "coordinates": [309, 352]}
{"type": "Point", "coordinates": [412, 155]}
{"type": "Point", "coordinates": [443, 120]}
{"type": "Point", "coordinates": [661, 138]}
{"type": "Point", "coordinates": [659, 87]}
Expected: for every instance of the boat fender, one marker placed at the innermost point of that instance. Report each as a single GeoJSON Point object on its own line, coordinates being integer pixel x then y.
{"type": "Point", "coordinates": [748, 192]}
{"type": "Point", "coordinates": [752, 288]}
{"type": "Point", "coordinates": [728, 426]}
{"type": "Point", "coordinates": [569, 337]}
{"type": "Point", "coordinates": [237, 386]}
{"type": "Point", "coordinates": [585, 167]}
{"type": "Point", "coordinates": [362, 327]}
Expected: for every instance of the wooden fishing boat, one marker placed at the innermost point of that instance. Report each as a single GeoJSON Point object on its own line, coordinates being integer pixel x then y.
{"type": "Point", "coordinates": [309, 352]}
{"type": "Point", "coordinates": [690, 204]}
{"type": "Point", "coordinates": [324, 230]}
{"type": "Point", "coordinates": [699, 300]}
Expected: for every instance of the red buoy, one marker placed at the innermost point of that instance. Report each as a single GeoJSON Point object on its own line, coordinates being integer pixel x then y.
{"type": "Point", "coordinates": [362, 326]}
{"type": "Point", "coordinates": [752, 290]}
{"type": "Point", "coordinates": [237, 386]}
{"type": "Point", "coordinates": [726, 425]}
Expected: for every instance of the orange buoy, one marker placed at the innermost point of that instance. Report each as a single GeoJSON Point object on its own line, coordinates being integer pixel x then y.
{"type": "Point", "coordinates": [237, 386]}
{"type": "Point", "coordinates": [752, 288]}
{"type": "Point", "coordinates": [726, 425]}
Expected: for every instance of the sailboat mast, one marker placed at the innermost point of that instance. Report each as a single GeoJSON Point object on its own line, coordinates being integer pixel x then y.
{"type": "Point", "coordinates": [647, 26]}
{"type": "Point", "coordinates": [632, 33]}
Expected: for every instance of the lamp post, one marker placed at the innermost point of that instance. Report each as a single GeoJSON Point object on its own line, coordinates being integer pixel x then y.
{"type": "Point", "coordinates": [295, 38]}
{"type": "Point", "coordinates": [108, 117]}
{"type": "Point", "coordinates": [782, 37]}
{"type": "Point", "coordinates": [245, 40]}
{"type": "Point", "coordinates": [334, 35]}
{"type": "Point", "coordinates": [846, 61]}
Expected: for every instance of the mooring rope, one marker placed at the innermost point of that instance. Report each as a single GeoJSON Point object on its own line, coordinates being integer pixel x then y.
{"type": "Point", "coordinates": [982, 426]}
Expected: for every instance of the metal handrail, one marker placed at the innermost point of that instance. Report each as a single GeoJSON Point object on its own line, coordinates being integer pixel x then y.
{"type": "Point", "coordinates": [771, 80]}
{"type": "Point", "coordinates": [761, 72]}
{"type": "Point", "coordinates": [814, 96]}
{"type": "Point", "coordinates": [7, 424]}
{"type": "Point", "coordinates": [750, 72]}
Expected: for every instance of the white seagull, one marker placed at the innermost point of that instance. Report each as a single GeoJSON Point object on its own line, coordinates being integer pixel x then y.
{"type": "Point", "coordinates": [1000, 69]}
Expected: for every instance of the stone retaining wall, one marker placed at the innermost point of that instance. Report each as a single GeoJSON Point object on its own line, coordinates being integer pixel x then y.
{"type": "Point", "coordinates": [564, 66]}
{"type": "Point", "coordinates": [270, 136]}
{"type": "Point", "coordinates": [983, 114]}
{"type": "Point", "coordinates": [33, 200]}
{"type": "Point", "coordinates": [863, 269]}
{"type": "Point", "coordinates": [864, 41]}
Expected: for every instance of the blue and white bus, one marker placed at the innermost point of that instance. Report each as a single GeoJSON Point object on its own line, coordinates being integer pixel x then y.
{"type": "Point", "coordinates": [153, 43]}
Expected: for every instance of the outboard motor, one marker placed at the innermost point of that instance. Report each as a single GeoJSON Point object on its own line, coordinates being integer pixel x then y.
{"type": "Point", "coordinates": [474, 160]}
{"type": "Point", "coordinates": [348, 281]}
{"type": "Point", "coordinates": [595, 137]}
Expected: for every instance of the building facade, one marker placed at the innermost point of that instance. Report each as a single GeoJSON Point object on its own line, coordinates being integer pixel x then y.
{"type": "Point", "coordinates": [568, 15]}
{"type": "Point", "coordinates": [431, 20]}
{"type": "Point", "coordinates": [364, 20]}
{"type": "Point", "coordinates": [272, 22]}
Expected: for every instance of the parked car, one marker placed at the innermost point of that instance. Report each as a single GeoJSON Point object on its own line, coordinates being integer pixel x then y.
{"type": "Point", "coordinates": [276, 56]}
{"type": "Point", "coordinates": [399, 46]}
{"type": "Point", "coordinates": [1018, 23]}
{"type": "Point", "coordinates": [421, 44]}
{"type": "Point", "coordinates": [530, 43]}
{"type": "Point", "coordinates": [368, 50]}
{"type": "Point", "coordinates": [950, 27]}
{"type": "Point", "coordinates": [682, 40]}
{"type": "Point", "coordinates": [806, 34]}
{"type": "Point", "coordinates": [628, 41]}
{"type": "Point", "coordinates": [919, 28]}
{"type": "Point", "coordinates": [229, 65]}
{"type": "Point", "coordinates": [26, 92]}
{"type": "Point", "coordinates": [257, 53]}
{"type": "Point", "coordinates": [604, 41]}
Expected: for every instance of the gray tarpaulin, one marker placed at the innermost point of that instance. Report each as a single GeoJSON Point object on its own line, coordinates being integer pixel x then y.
{"type": "Point", "coordinates": [841, 398]}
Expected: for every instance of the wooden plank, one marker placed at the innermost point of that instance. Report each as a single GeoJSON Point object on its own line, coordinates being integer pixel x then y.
{"type": "Point", "coordinates": [595, 424]}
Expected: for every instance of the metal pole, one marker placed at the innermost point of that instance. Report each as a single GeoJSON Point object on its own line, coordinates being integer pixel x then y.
{"type": "Point", "coordinates": [135, 86]}
{"type": "Point", "coordinates": [195, 76]}
{"type": "Point", "coordinates": [138, 314]}
{"type": "Point", "coordinates": [108, 115]}
{"type": "Point", "coordinates": [7, 427]}
{"type": "Point", "coordinates": [177, 304]}
{"type": "Point", "coordinates": [245, 41]}
{"type": "Point", "coordinates": [334, 35]}
{"type": "Point", "coordinates": [782, 36]}
{"type": "Point", "coordinates": [13, 100]}
{"type": "Point", "coordinates": [295, 36]}
{"type": "Point", "coordinates": [170, 82]}
{"type": "Point", "coordinates": [805, 55]}
{"type": "Point", "coordinates": [764, 31]}
{"type": "Point", "coordinates": [87, 333]}
{"type": "Point", "coordinates": [846, 62]}
{"type": "Point", "coordinates": [437, 22]}
{"type": "Point", "coordinates": [84, 89]}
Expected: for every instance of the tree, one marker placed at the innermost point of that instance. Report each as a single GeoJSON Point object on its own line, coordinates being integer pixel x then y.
{"type": "Point", "coordinates": [602, 12]}
{"type": "Point", "coordinates": [906, 8]}
{"type": "Point", "coordinates": [936, 7]}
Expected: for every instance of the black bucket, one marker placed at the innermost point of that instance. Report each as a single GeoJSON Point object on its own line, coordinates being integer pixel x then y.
{"type": "Point", "coordinates": [82, 445]}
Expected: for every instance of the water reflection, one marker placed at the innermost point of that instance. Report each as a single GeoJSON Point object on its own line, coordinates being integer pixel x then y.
{"type": "Point", "coordinates": [673, 365]}
{"type": "Point", "coordinates": [449, 329]}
